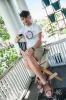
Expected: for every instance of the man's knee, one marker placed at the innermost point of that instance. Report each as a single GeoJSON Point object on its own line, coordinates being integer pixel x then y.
{"type": "Point", "coordinates": [28, 56]}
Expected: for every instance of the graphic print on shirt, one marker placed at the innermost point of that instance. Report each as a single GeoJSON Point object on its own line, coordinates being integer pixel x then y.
{"type": "Point", "coordinates": [29, 34]}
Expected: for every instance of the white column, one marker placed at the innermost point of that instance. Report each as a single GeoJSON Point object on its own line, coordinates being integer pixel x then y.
{"type": "Point", "coordinates": [10, 18]}
{"type": "Point", "coordinates": [13, 5]}
{"type": "Point", "coordinates": [22, 5]}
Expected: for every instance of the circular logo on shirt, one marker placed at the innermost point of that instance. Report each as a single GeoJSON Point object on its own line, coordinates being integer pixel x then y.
{"type": "Point", "coordinates": [29, 34]}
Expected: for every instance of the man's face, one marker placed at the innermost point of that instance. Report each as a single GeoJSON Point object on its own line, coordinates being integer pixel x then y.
{"type": "Point", "coordinates": [26, 20]}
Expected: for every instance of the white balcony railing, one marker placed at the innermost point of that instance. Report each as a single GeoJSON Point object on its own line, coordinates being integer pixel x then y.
{"type": "Point", "coordinates": [57, 53]}
{"type": "Point", "coordinates": [15, 82]}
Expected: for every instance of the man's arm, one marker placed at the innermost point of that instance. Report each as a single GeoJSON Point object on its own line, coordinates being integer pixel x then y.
{"type": "Point", "coordinates": [17, 39]}
{"type": "Point", "coordinates": [38, 40]}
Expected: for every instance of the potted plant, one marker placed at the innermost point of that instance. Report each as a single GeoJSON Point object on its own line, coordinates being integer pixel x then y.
{"type": "Point", "coordinates": [46, 2]}
{"type": "Point", "coordinates": [64, 11]}
{"type": "Point", "coordinates": [56, 5]}
{"type": "Point", "coordinates": [51, 17]}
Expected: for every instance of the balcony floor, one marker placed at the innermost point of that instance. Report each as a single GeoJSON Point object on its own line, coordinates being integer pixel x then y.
{"type": "Point", "coordinates": [34, 95]}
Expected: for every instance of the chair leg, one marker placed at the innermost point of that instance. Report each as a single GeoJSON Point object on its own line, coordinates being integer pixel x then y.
{"type": "Point", "coordinates": [52, 75]}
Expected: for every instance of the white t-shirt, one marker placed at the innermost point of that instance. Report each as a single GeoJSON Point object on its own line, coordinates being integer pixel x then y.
{"type": "Point", "coordinates": [30, 33]}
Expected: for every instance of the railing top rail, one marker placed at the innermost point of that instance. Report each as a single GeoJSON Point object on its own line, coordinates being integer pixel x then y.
{"type": "Point", "coordinates": [56, 42]}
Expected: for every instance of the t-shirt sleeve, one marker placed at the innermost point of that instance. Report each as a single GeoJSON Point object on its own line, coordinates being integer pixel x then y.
{"type": "Point", "coordinates": [38, 29]}
{"type": "Point", "coordinates": [21, 31]}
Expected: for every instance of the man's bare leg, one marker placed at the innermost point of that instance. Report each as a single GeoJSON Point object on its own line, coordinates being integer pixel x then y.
{"type": "Point", "coordinates": [32, 63]}
{"type": "Point", "coordinates": [36, 69]}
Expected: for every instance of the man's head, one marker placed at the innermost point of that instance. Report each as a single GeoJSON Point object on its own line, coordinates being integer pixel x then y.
{"type": "Point", "coordinates": [25, 17]}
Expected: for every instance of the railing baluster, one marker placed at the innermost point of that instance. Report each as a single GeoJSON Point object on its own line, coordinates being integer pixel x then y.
{"type": "Point", "coordinates": [14, 94]}
{"type": "Point", "coordinates": [19, 76]}
{"type": "Point", "coordinates": [10, 88]}
{"type": "Point", "coordinates": [2, 95]}
{"type": "Point", "coordinates": [4, 91]}
{"type": "Point", "coordinates": [13, 84]}
{"type": "Point", "coordinates": [6, 88]}
{"type": "Point", "coordinates": [21, 73]}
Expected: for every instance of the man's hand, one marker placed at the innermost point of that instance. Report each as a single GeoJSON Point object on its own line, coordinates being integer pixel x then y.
{"type": "Point", "coordinates": [17, 39]}
{"type": "Point", "coordinates": [29, 52]}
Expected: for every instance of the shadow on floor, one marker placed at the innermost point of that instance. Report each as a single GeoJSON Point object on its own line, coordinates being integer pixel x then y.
{"type": "Point", "coordinates": [59, 87]}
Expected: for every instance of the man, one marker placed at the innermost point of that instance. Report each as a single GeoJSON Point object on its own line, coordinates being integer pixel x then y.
{"type": "Point", "coordinates": [34, 51]}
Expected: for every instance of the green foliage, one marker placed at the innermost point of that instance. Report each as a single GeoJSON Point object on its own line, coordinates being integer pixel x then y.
{"type": "Point", "coordinates": [7, 57]}
{"type": "Point", "coordinates": [63, 31]}
{"type": "Point", "coordinates": [3, 32]}
{"type": "Point", "coordinates": [46, 26]}
{"type": "Point", "coordinates": [1, 21]}
{"type": "Point", "coordinates": [1, 70]}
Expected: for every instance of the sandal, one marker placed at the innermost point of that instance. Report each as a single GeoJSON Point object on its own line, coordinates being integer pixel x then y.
{"type": "Point", "coordinates": [48, 91]}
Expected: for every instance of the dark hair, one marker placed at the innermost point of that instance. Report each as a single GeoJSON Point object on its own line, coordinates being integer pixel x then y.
{"type": "Point", "coordinates": [24, 13]}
